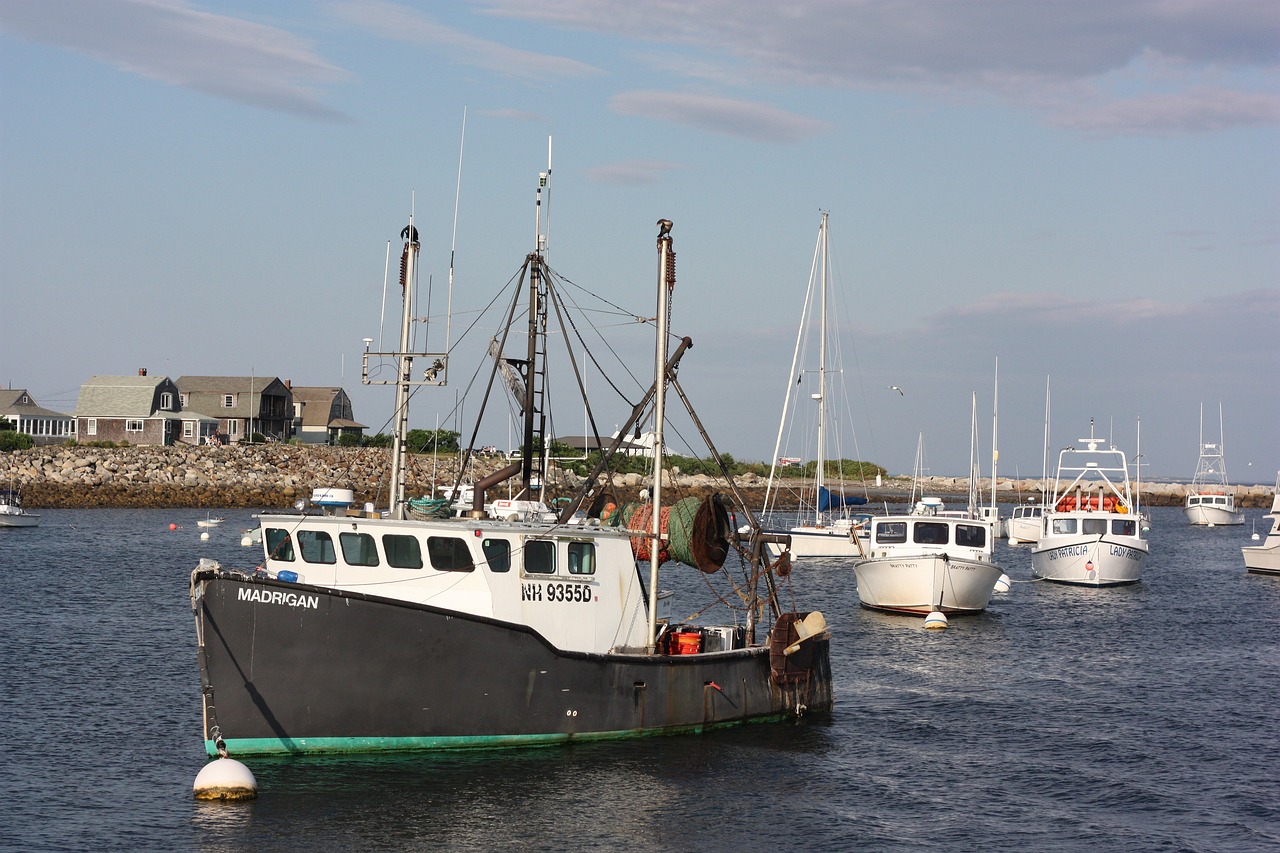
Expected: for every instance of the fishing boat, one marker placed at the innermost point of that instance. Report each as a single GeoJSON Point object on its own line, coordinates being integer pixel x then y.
{"type": "Point", "coordinates": [828, 528]}
{"type": "Point", "coordinates": [210, 522]}
{"type": "Point", "coordinates": [1264, 559]}
{"type": "Point", "coordinates": [1092, 533]}
{"type": "Point", "coordinates": [931, 559]}
{"type": "Point", "coordinates": [385, 630]}
{"type": "Point", "coordinates": [12, 513]}
{"type": "Point", "coordinates": [1210, 502]}
{"type": "Point", "coordinates": [1024, 524]}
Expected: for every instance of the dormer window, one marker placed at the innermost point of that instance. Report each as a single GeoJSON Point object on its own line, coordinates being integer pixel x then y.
{"type": "Point", "coordinates": [166, 401]}
{"type": "Point", "coordinates": [228, 401]}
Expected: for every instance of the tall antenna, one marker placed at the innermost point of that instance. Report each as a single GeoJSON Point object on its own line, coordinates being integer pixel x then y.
{"type": "Point", "coordinates": [540, 237]}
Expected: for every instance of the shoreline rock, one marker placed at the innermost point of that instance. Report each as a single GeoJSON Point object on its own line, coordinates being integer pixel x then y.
{"type": "Point", "coordinates": [276, 475]}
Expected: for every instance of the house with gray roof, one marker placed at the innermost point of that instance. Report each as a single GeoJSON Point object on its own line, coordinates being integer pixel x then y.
{"type": "Point", "coordinates": [138, 409]}
{"type": "Point", "coordinates": [245, 406]}
{"type": "Point", "coordinates": [322, 415]}
{"type": "Point", "coordinates": [45, 426]}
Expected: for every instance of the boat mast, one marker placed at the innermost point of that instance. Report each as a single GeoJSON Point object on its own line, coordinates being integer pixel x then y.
{"type": "Point", "coordinates": [995, 446]}
{"type": "Point", "coordinates": [820, 479]}
{"type": "Point", "coordinates": [408, 264]}
{"type": "Point", "coordinates": [535, 422]}
{"type": "Point", "coordinates": [666, 281]}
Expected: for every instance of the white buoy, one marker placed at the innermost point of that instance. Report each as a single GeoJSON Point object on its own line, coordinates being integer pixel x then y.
{"type": "Point", "coordinates": [204, 536]}
{"type": "Point", "coordinates": [1003, 584]}
{"type": "Point", "coordinates": [225, 779]}
{"type": "Point", "coordinates": [936, 621]}
{"type": "Point", "coordinates": [245, 541]}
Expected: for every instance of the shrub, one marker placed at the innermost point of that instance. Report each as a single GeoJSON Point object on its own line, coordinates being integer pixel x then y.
{"type": "Point", "coordinates": [10, 440]}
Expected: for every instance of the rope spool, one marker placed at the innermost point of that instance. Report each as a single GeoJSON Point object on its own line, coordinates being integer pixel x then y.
{"type": "Point", "coordinates": [698, 530]}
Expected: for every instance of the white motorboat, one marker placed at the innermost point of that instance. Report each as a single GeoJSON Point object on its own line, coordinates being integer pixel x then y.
{"type": "Point", "coordinates": [928, 560]}
{"type": "Point", "coordinates": [1264, 559]}
{"type": "Point", "coordinates": [12, 513]}
{"type": "Point", "coordinates": [932, 559]}
{"type": "Point", "coordinates": [1210, 501]}
{"type": "Point", "coordinates": [1092, 534]}
{"type": "Point", "coordinates": [1025, 523]}
{"type": "Point", "coordinates": [828, 528]}
{"type": "Point", "coordinates": [370, 630]}
{"type": "Point", "coordinates": [210, 522]}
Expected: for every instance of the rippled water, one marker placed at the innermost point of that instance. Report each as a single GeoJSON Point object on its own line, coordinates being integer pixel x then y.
{"type": "Point", "coordinates": [1136, 718]}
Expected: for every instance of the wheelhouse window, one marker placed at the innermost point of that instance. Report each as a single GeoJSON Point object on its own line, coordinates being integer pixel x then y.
{"type": "Point", "coordinates": [358, 549]}
{"type": "Point", "coordinates": [1064, 526]}
{"type": "Point", "coordinates": [582, 558]}
{"type": "Point", "coordinates": [1094, 526]}
{"type": "Point", "coordinates": [132, 425]}
{"type": "Point", "coordinates": [891, 532]}
{"type": "Point", "coordinates": [403, 552]}
{"type": "Point", "coordinates": [279, 545]}
{"type": "Point", "coordinates": [316, 547]}
{"type": "Point", "coordinates": [930, 533]}
{"type": "Point", "coordinates": [971, 536]}
{"type": "Point", "coordinates": [497, 553]}
{"type": "Point", "coordinates": [449, 554]}
{"type": "Point", "coordinates": [540, 557]}
{"type": "Point", "coordinates": [1124, 527]}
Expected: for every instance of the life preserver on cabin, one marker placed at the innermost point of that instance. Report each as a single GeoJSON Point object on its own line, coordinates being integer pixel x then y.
{"type": "Point", "coordinates": [1066, 504]}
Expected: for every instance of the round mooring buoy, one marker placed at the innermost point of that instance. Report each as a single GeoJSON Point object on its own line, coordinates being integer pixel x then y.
{"type": "Point", "coordinates": [1003, 584]}
{"type": "Point", "coordinates": [204, 536]}
{"type": "Point", "coordinates": [225, 779]}
{"type": "Point", "coordinates": [936, 621]}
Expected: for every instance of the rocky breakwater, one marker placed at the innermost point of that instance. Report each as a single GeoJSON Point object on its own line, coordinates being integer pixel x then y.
{"type": "Point", "coordinates": [253, 476]}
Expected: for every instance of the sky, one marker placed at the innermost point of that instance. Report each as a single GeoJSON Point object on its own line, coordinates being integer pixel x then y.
{"type": "Point", "coordinates": [1086, 194]}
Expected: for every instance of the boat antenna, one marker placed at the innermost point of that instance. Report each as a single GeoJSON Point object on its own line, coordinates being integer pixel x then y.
{"type": "Point", "coordinates": [453, 243]}
{"type": "Point", "coordinates": [386, 273]}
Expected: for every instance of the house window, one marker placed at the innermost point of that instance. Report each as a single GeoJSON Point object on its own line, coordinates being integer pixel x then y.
{"type": "Point", "coordinates": [233, 427]}
{"type": "Point", "coordinates": [133, 426]}
{"type": "Point", "coordinates": [184, 400]}
{"type": "Point", "coordinates": [166, 401]}
{"type": "Point", "coordinates": [228, 401]}
{"type": "Point", "coordinates": [188, 429]}
{"type": "Point", "coordinates": [91, 426]}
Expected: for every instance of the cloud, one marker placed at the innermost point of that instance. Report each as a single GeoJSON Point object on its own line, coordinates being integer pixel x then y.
{"type": "Point", "coordinates": [631, 172]}
{"type": "Point", "coordinates": [743, 119]}
{"type": "Point", "coordinates": [168, 41]}
{"type": "Point", "coordinates": [401, 23]}
{"type": "Point", "coordinates": [1158, 114]}
{"type": "Point", "coordinates": [1046, 55]}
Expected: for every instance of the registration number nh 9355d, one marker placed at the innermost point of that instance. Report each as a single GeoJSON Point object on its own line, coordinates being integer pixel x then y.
{"type": "Point", "coordinates": [579, 592]}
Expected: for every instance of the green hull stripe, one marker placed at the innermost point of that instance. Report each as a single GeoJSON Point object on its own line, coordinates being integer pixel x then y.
{"type": "Point", "coordinates": [318, 745]}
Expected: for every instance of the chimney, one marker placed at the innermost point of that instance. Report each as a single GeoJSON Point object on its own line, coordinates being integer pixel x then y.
{"type": "Point", "coordinates": [288, 383]}
{"type": "Point", "coordinates": [142, 371]}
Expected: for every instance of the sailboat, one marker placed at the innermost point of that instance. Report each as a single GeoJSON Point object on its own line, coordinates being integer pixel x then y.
{"type": "Point", "coordinates": [377, 630]}
{"type": "Point", "coordinates": [1210, 501]}
{"type": "Point", "coordinates": [827, 528]}
{"type": "Point", "coordinates": [1093, 529]}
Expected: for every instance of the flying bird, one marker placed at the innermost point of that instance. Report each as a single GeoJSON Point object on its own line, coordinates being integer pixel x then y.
{"type": "Point", "coordinates": [896, 388]}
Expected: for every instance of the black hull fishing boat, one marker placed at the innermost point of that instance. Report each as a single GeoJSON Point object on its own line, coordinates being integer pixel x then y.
{"type": "Point", "coordinates": [508, 624]}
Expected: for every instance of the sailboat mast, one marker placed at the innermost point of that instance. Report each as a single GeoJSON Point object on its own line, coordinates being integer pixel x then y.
{"type": "Point", "coordinates": [995, 445]}
{"type": "Point", "coordinates": [821, 478]}
{"type": "Point", "coordinates": [666, 280]}
{"type": "Point", "coordinates": [404, 360]}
